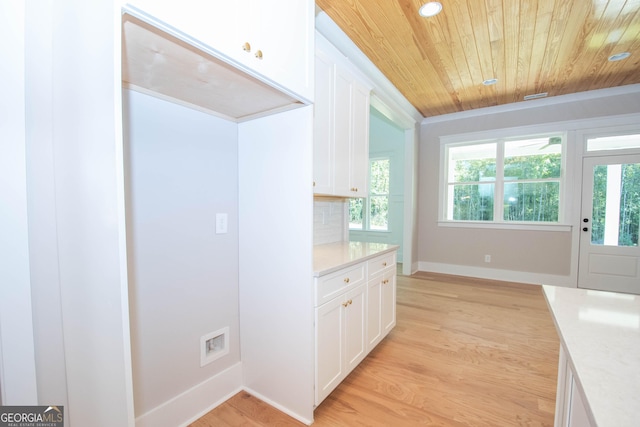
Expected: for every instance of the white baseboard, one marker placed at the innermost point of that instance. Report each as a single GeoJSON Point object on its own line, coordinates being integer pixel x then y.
{"type": "Point", "coordinates": [278, 406]}
{"type": "Point", "coordinates": [496, 274]}
{"type": "Point", "coordinates": [192, 404]}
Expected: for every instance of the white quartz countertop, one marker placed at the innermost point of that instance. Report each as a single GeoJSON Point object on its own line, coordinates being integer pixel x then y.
{"type": "Point", "coordinates": [600, 332]}
{"type": "Point", "coordinates": [334, 256]}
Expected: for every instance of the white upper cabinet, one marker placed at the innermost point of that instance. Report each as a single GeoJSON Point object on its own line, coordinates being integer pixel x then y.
{"type": "Point", "coordinates": [271, 38]}
{"type": "Point", "coordinates": [359, 140]}
{"type": "Point", "coordinates": [280, 34]}
{"type": "Point", "coordinates": [341, 126]}
{"type": "Point", "coordinates": [208, 22]}
{"type": "Point", "coordinates": [322, 127]}
{"type": "Point", "coordinates": [342, 131]}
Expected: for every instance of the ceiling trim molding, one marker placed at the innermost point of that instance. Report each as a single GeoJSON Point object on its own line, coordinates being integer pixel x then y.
{"type": "Point", "coordinates": [389, 99]}
{"type": "Point", "coordinates": [535, 103]}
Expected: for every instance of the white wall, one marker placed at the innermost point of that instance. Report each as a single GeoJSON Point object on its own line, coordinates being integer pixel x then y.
{"type": "Point", "coordinates": [76, 210]}
{"type": "Point", "coordinates": [17, 359]}
{"type": "Point", "coordinates": [182, 169]}
{"type": "Point", "coordinates": [45, 273]}
{"type": "Point", "coordinates": [387, 140]}
{"type": "Point", "coordinates": [276, 242]}
{"type": "Point", "coordinates": [521, 255]}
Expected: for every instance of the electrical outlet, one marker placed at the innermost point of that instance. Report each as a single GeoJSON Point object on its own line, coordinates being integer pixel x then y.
{"type": "Point", "coordinates": [487, 258]}
{"type": "Point", "coordinates": [214, 345]}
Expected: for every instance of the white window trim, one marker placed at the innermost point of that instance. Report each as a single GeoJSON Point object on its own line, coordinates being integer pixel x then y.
{"type": "Point", "coordinates": [500, 136]}
{"type": "Point", "coordinates": [366, 205]}
{"type": "Point", "coordinates": [388, 195]}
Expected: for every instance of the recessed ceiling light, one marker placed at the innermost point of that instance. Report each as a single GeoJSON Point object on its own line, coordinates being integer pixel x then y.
{"type": "Point", "coordinates": [490, 82]}
{"type": "Point", "coordinates": [431, 8]}
{"type": "Point", "coordinates": [619, 56]}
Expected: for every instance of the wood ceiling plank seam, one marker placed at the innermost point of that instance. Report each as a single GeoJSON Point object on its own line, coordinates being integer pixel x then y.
{"type": "Point", "coordinates": [409, 64]}
{"type": "Point", "coordinates": [478, 44]}
{"type": "Point", "coordinates": [629, 19]}
{"type": "Point", "coordinates": [426, 41]}
{"type": "Point", "coordinates": [621, 73]}
{"type": "Point", "coordinates": [538, 50]}
{"type": "Point", "coordinates": [480, 22]}
{"type": "Point", "coordinates": [578, 40]}
{"type": "Point", "coordinates": [548, 70]}
{"type": "Point", "coordinates": [495, 27]}
{"type": "Point", "coordinates": [424, 35]}
{"type": "Point", "coordinates": [525, 47]}
{"type": "Point", "coordinates": [632, 64]}
{"type": "Point", "coordinates": [428, 64]}
{"type": "Point", "coordinates": [511, 14]}
{"type": "Point", "coordinates": [600, 68]}
{"type": "Point", "coordinates": [456, 15]}
{"type": "Point", "coordinates": [600, 45]}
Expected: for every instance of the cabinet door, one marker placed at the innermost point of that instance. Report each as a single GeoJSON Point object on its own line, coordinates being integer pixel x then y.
{"type": "Point", "coordinates": [388, 299]}
{"type": "Point", "coordinates": [341, 131]}
{"type": "Point", "coordinates": [330, 367]}
{"type": "Point", "coordinates": [577, 412]}
{"type": "Point", "coordinates": [281, 33]}
{"type": "Point", "coordinates": [359, 155]}
{"type": "Point", "coordinates": [381, 307]}
{"type": "Point", "coordinates": [209, 22]}
{"type": "Point", "coordinates": [355, 327]}
{"type": "Point", "coordinates": [322, 126]}
{"type": "Point", "coordinates": [374, 312]}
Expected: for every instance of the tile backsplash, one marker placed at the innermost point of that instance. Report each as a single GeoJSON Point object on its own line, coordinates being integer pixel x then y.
{"type": "Point", "coordinates": [330, 220]}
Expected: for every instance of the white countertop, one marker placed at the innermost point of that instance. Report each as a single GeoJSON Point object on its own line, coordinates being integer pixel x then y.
{"type": "Point", "coordinates": [600, 332]}
{"type": "Point", "coordinates": [334, 256]}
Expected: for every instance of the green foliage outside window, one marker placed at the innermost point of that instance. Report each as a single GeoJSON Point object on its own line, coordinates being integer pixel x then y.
{"type": "Point", "coordinates": [529, 179]}
{"type": "Point", "coordinates": [629, 227]}
{"type": "Point", "coordinates": [356, 213]}
{"type": "Point", "coordinates": [373, 213]}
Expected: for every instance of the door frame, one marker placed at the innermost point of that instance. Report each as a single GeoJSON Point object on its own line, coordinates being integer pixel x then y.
{"type": "Point", "coordinates": [619, 125]}
{"type": "Point", "coordinates": [587, 196]}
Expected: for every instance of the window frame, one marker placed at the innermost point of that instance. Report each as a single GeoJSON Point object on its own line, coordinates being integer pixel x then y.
{"type": "Point", "coordinates": [498, 219]}
{"type": "Point", "coordinates": [366, 205]}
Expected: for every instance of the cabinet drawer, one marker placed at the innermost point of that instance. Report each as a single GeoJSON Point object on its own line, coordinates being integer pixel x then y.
{"type": "Point", "coordinates": [334, 284]}
{"type": "Point", "coordinates": [378, 264]}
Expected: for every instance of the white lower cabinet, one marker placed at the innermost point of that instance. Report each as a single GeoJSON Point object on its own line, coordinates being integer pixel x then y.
{"type": "Point", "coordinates": [360, 314]}
{"type": "Point", "coordinates": [381, 310]}
{"type": "Point", "coordinates": [570, 405]}
{"type": "Point", "coordinates": [340, 339]}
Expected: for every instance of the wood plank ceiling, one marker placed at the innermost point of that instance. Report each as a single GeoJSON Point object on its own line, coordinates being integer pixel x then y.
{"type": "Point", "coordinates": [530, 47]}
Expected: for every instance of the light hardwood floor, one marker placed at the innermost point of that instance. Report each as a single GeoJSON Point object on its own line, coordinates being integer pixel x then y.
{"type": "Point", "coordinates": [464, 352]}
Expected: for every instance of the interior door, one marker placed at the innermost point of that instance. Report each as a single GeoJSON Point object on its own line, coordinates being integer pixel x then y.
{"type": "Point", "coordinates": [609, 251]}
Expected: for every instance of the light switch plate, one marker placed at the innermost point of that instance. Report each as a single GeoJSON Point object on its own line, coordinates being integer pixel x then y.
{"type": "Point", "coordinates": [221, 223]}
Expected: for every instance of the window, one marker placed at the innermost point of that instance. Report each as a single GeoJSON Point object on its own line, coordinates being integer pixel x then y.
{"type": "Point", "coordinates": [372, 213]}
{"type": "Point", "coordinates": [616, 212]}
{"type": "Point", "coordinates": [506, 180]}
{"type": "Point", "coordinates": [614, 142]}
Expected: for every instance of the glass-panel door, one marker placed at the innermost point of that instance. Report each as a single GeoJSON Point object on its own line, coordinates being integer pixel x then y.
{"type": "Point", "coordinates": [609, 251]}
